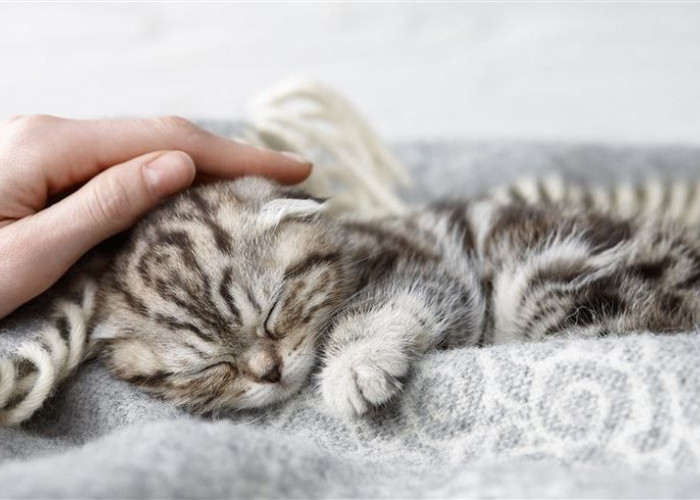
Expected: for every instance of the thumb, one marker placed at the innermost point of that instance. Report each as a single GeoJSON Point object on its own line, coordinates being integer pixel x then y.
{"type": "Point", "coordinates": [40, 248]}
{"type": "Point", "coordinates": [115, 199]}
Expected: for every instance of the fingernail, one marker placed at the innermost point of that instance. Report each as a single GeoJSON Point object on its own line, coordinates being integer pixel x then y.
{"type": "Point", "coordinates": [295, 157]}
{"type": "Point", "coordinates": [168, 173]}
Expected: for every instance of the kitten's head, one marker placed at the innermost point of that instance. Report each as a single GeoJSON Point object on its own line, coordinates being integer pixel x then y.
{"type": "Point", "coordinates": [221, 294]}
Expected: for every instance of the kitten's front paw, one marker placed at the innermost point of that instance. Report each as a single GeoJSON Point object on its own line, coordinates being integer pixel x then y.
{"type": "Point", "coordinates": [361, 376]}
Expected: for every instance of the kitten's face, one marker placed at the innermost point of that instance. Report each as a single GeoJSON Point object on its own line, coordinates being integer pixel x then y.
{"type": "Point", "coordinates": [222, 294]}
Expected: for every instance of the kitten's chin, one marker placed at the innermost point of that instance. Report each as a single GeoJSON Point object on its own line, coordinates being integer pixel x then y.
{"type": "Point", "coordinates": [263, 396]}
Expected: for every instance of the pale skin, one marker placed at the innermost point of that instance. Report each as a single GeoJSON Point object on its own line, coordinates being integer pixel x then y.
{"type": "Point", "coordinates": [106, 175]}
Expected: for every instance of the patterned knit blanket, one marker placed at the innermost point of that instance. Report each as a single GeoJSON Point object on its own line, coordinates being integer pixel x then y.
{"type": "Point", "coordinates": [618, 417]}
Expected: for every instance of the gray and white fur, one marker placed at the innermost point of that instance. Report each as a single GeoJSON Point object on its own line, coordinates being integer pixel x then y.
{"type": "Point", "coordinates": [231, 294]}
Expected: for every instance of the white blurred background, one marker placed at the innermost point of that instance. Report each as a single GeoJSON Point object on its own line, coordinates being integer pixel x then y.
{"type": "Point", "coordinates": [593, 72]}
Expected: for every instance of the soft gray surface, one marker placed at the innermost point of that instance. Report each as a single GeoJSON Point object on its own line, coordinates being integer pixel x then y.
{"type": "Point", "coordinates": [569, 418]}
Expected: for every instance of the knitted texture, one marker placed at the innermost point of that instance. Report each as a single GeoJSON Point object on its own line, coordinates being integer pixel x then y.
{"type": "Point", "coordinates": [617, 417]}
{"type": "Point", "coordinates": [569, 418]}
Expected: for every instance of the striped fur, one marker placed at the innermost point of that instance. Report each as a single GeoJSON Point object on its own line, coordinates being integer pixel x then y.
{"type": "Point", "coordinates": [221, 295]}
{"type": "Point", "coordinates": [229, 295]}
{"type": "Point", "coordinates": [36, 368]}
{"type": "Point", "coordinates": [677, 200]}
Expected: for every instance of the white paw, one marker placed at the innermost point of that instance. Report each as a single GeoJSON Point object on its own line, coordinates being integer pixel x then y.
{"type": "Point", "coordinates": [362, 376]}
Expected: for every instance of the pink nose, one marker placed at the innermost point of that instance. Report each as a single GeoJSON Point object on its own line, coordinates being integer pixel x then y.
{"type": "Point", "coordinates": [272, 375]}
{"type": "Point", "coordinates": [263, 365]}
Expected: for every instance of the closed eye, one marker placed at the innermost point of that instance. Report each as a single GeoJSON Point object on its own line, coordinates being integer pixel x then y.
{"type": "Point", "coordinates": [224, 363]}
{"type": "Point", "coordinates": [266, 325]}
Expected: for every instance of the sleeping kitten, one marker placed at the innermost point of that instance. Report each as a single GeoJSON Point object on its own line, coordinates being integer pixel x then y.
{"type": "Point", "coordinates": [231, 294]}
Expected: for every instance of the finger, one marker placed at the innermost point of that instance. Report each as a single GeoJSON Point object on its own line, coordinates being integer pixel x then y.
{"type": "Point", "coordinates": [90, 146]}
{"type": "Point", "coordinates": [42, 247]}
{"type": "Point", "coordinates": [55, 198]}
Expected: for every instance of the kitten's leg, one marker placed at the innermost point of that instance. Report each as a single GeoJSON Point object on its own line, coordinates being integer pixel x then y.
{"type": "Point", "coordinates": [372, 343]}
{"type": "Point", "coordinates": [32, 373]}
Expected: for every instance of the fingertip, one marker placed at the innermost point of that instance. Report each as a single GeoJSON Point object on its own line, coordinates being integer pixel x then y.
{"type": "Point", "coordinates": [296, 157]}
{"type": "Point", "coordinates": [169, 173]}
{"type": "Point", "coordinates": [292, 169]}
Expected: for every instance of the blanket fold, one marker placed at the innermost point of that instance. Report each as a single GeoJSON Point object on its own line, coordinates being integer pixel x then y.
{"type": "Point", "coordinates": [567, 418]}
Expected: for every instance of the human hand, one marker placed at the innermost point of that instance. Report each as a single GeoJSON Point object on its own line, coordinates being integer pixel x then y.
{"type": "Point", "coordinates": [127, 167]}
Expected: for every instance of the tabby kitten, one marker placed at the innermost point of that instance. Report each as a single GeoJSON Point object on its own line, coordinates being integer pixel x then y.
{"type": "Point", "coordinates": [228, 295]}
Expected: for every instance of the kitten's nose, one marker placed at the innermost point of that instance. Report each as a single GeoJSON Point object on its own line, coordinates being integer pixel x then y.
{"type": "Point", "coordinates": [263, 365]}
{"type": "Point", "coordinates": [272, 375]}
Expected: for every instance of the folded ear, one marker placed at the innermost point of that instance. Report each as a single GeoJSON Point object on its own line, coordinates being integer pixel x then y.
{"type": "Point", "coordinates": [275, 211]}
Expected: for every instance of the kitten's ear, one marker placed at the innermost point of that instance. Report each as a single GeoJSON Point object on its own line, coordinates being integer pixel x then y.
{"type": "Point", "coordinates": [279, 209]}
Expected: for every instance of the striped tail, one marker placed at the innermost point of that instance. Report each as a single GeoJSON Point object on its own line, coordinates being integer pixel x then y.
{"type": "Point", "coordinates": [676, 200]}
{"type": "Point", "coordinates": [34, 370]}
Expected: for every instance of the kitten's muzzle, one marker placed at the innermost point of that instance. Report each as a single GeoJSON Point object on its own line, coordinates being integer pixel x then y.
{"type": "Point", "coordinates": [263, 365]}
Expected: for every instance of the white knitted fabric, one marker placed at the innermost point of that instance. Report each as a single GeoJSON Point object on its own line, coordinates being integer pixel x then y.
{"type": "Point", "coordinates": [351, 164]}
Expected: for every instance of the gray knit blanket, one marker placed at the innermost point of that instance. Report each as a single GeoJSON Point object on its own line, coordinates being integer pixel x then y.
{"type": "Point", "coordinates": [617, 417]}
